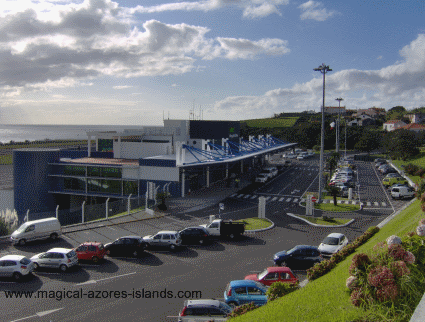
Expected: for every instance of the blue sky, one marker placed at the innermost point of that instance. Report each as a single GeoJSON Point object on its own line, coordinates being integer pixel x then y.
{"type": "Point", "coordinates": [131, 62]}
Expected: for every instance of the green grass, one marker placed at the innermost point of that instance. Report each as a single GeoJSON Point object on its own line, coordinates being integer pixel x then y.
{"type": "Point", "coordinates": [46, 144]}
{"type": "Point", "coordinates": [132, 211]}
{"type": "Point", "coordinates": [6, 159]}
{"type": "Point", "coordinates": [419, 161]}
{"type": "Point", "coordinates": [255, 223]}
{"type": "Point", "coordinates": [337, 207]}
{"type": "Point", "coordinates": [272, 122]}
{"type": "Point", "coordinates": [327, 298]}
{"type": "Point", "coordinates": [320, 221]}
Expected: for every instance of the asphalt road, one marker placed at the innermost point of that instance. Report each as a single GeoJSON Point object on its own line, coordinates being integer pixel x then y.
{"type": "Point", "coordinates": [207, 269]}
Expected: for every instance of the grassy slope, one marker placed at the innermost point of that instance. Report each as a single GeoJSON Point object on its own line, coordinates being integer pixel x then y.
{"type": "Point", "coordinates": [272, 122]}
{"type": "Point", "coordinates": [327, 299]}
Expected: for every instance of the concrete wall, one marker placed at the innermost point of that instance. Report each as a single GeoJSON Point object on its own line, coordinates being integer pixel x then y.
{"type": "Point", "coordinates": [138, 150]}
{"type": "Point", "coordinates": [159, 173]}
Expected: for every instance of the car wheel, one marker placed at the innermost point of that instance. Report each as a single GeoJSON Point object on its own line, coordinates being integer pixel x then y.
{"type": "Point", "coordinates": [283, 264]}
{"type": "Point", "coordinates": [135, 253]}
{"type": "Point", "coordinates": [63, 268]}
{"type": "Point", "coordinates": [17, 276]}
{"type": "Point", "coordinates": [173, 247]}
{"type": "Point", "coordinates": [53, 236]}
{"type": "Point", "coordinates": [22, 242]}
{"type": "Point", "coordinates": [231, 236]}
{"type": "Point", "coordinates": [95, 259]}
{"type": "Point", "coordinates": [201, 241]}
{"type": "Point", "coordinates": [36, 266]}
{"type": "Point", "coordinates": [233, 304]}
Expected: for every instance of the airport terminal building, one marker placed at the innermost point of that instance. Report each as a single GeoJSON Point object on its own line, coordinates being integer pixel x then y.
{"type": "Point", "coordinates": [179, 157]}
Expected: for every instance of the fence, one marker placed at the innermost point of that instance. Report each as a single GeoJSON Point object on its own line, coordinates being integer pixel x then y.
{"type": "Point", "coordinates": [87, 213]}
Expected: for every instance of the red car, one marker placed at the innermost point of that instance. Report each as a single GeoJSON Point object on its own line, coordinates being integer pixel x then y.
{"type": "Point", "coordinates": [274, 274]}
{"type": "Point", "coordinates": [92, 251]}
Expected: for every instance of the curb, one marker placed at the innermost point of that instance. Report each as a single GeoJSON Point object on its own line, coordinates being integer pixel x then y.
{"type": "Point", "coordinates": [390, 217]}
{"type": "Point", "coordinates": [317, 225]}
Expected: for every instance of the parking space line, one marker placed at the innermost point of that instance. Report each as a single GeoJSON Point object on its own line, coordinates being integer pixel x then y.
{"type": "Point", "coordinates": [376, 204]}
{"type": "Point", "coordinates": [240, 196]}
{"type": "Point", "coordinates": [368, 203]}
{"type": "Point", "coordinates": [288, 200]}
{"type": "Point", "coordinates": [254, 196]}
{"type": "Point", "coordinates": [295, 200]}
{"type": "Point", "coordinates": [274, 199]}
{"type": "Point", "coordinates": [247, 196]}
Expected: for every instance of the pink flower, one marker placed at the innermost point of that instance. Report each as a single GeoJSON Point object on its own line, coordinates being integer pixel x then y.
{"type": "Point", "coordinates": [396, 251]}
{"type": "Point", "coordinates": [380, 276]}
{"type": "Point", "coordinates": [422, 222]}
{"type": "Point", "coordinates": [352, 282]}
{"type": "Point", "coordinates": [409, 258]}
{"type": "Point", "coordinates": [400, 269]}
{"type": "Point", "coordinates": [356, 297]}
{"type": "Point", "coordinates": [393, 240]}
{"type": "Point", "coordinates": [359, 261]}
{"type": "Point", "coordinates": [387, 292]}
{"type": "Point", "coordinates": [420, 230]}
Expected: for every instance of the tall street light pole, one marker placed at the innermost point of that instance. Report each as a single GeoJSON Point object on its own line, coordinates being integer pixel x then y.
{"type": "Point", "coordinates": [323, 69]}
{"type": "Point", "coordinates": [339, 99]}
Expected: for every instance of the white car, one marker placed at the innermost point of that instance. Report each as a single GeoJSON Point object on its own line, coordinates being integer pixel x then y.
{"type": "Point", "coordinates": [291, 156]}
{"type": "Point", "coordinates": [402, 192]}
{"type": "Point", "coordinates": [332, 244]}
{"type": "Point", "coordinates": [271, 171]}
{"type": "Point", "coordinates": [262, 177]}
{"type": "Point", "coordinates": [165, 238]}
{"type": "Point", "coordinates": [15, 266]}
{"type": "Point", "coordinates": [62, 258]}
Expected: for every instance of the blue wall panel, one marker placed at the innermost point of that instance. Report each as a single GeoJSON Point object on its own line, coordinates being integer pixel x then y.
{"type": "Point", "coordinates": [31, 181]}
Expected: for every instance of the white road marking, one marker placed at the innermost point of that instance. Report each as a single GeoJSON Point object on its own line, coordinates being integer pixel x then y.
{"type": "Point", "coordinates": [288, 200]}
{"type": "Point", "coordinates": [247, 196]}
{"type": "Point", "coordinates": [104, 279]}
{"type": "Point", "coordinates": [376, 204]}
{"type": "Point", "coordinates": [295, 200]}
{"type": "Point", "coordinates": [274, 199]}
{"type": "Point", "coordinates": [281, 199]}
{"type": "Point", "coordinates": [111, 228]}
{"type": "Point", "coordinates": [39, 314]}
{"type": "Point", "coordinates": [384, 204]}
{"type": "Point", "coordinates": [254, 196]}
{"type": "Point", "coordinates": [233, 195]}
{"type": "Point", "coordinates": [368, 203]}
{"type": "Point", "coordinates": [240, 196]}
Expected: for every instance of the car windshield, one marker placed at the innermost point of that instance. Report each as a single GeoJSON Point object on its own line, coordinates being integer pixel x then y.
{"type": "Point", "coordinates": [330, 241]}
{"type": "Point", "coordinates": [101, 246]}
{"type": "Point", "coordinates": [226, 308]}
{"type": "Point", "coordinates": [24, 261]}
{"type": "Point", "coordinates": [262, 274]}
{"type": "Point", "coordinates": [71, 254]}
{"type": "Point", "coordinates": [292, 250]}
{"type": "Point", "coordinates": [261, 286]}
{"type": "Point", "coordinates": [22, 228]}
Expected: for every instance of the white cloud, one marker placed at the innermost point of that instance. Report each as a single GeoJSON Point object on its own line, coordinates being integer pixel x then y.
{"type": "Point", "coordinates": [379, 57]}
{"type": "Point", "coordinates": [403, 81]}
{"type": "Point", "coordinates": [59, 44]}
{"type": "Point", "coordinates": [314, 10]}
{"type": "Point", "coordinates": [251, 8]}
{"type": "Point", "coordinates": [122, 87]}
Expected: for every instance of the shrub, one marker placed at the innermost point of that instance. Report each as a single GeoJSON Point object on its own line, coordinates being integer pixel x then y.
{"type": "Point", "coordinates": [3, 228]}
{"type": "Point", "coordinates": [279, 289]}
{"type": "Point", "coordinates": [9, 221]}
{"type": "Point", "coordinates": [242, 309]}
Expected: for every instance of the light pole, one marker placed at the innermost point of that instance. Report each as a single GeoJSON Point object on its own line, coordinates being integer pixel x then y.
{"type": "Point", "coordinates": [323, 69]}
{"type": "Point", "coordinates": [339, 99]}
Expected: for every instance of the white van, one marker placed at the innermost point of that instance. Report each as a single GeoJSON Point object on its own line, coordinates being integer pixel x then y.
{"type": "Point", "coordinates": [402, 192]}
{"type": "Point", "coordinates": [36, 229]}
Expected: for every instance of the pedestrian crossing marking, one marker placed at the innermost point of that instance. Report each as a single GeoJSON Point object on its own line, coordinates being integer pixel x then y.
{"type": "Point", "coordinates": [274, 199]}
{"type": "Point", "coordinates": [376, 204]}
{"type": "Point", "coordinates": [233, 195]}
{"type": "Point", "coordinates": [288, 200]}
{"type": "Point", "coordinates": [281, 199]}
{"type": "Point", "coordinates": [254, 196]}
{"type": "Point", "coordinates": [368, 203]}
{"type": "Point", "coordinates": [240, 196]}
{"type": "Point", "coordinates": [295, 200]}
{"type": "Point", "coordinates": [267, 198]}
{"type": "Point", "coordinates": [384, 204]}
{"type": "Point", "coordinates": [247, 196]}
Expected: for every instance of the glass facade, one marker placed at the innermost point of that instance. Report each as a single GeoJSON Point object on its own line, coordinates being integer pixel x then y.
{"type": "Point", "coordinates": [75, 184]}
{"type": "Point", "coordinates": [74, 170]}
{"type": "Point", "coordinates": [104, 172]}
{"type": "Point", "coordinates": [130, 187]}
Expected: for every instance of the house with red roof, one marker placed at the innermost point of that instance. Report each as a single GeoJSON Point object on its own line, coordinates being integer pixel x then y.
{"type": "Point", "coordinates": [393, 125]}
{"type": "Point", "coordinates": [413, 127]}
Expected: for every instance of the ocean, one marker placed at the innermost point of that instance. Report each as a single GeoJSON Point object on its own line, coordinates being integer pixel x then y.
{"type": "Point", "coordinates": [22, 132]}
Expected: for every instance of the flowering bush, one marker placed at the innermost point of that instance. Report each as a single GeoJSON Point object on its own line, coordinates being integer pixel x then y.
{"type": "Point", "coordinates": [399, 269]}
{"type": "Point", "coordinates": [387, 292]}
{"type": "Point", "coordinates": [409, 258]}
{"type": "Point", "coordinates": [393, 240]}
{"type": "Point", "coordinates": [380, 276]}
{"type": "Point", "coordinates": [279, 289]}
{"type": "Point", "coordinates": [422, 222]}
{"type": "Point", "coordinates": [352, 282]}
{"type": "Point", "coordinates": [242, 309]}
{"type": "Point", "coordinates": [396, 251]}
{"type": "Point", "coordinates": [420, 230]}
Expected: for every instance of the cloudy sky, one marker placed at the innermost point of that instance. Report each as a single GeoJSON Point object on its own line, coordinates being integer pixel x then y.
{"type": "Point", "coordinates": [132, 62]}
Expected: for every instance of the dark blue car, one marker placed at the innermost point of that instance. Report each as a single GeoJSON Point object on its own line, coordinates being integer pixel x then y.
{"type": "Point", "coordinates": [245, 291]}
{"type": "Point", "coordinates": [299, 257]}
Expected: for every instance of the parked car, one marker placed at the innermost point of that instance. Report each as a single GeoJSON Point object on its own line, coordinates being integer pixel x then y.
{"type": "Point", "coordinates": [91, 251]}
{"type": "Point", "coordinates": [379, 160]}
{"type": "Point", "coordinates": [166, 238]}
{"type": "Point", "coordinates": [204, 310]}
{"type": "Point", "coordinates": [274, 274]}
{"type": "Point", "coordinates": [194, 235]}
{"type": "Point", "coordinates": [332, 244]}
{"type": "Point", "coordinates": [387, 182]}
{"type": "Point", "coordinates": [245, 291]}
{"type": "Point", "coordinates": [15, 266]}
{"type": "Point", "coordinates": [402, 193]}
{"type": "Point", "coordinates": [383, 167]}
{"type": "Point", "coordinates": [271, 171]}
{"type": "Point", "coordinates": [36, 229]}
{"type": "Point", "coordinates": [398, 185]}
{"type": "Point", "coordinates": [62, 258]}
{"type": "Point", "coordinates": [262, 177]}
{"type": "Point", "coordinates": [225, 228]}
{"type": "Point", "coordinates": [301, 256]}
{"type": "Point", "coordinates": [380, 163]}
{"type": "Point", "coordinates": [389, 170]}
{"type": "Point", "coordinates": [392, 175]}
{"type": "Point", "coordinates": [126, 246]}
{"type": "Point", "coordinates": [291, 156]}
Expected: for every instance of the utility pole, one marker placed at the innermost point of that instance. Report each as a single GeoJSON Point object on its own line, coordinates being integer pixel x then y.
{"type": "Point", "coordinates": [339, 99]}
{"type": "Point", "coordinates": [323, 69]}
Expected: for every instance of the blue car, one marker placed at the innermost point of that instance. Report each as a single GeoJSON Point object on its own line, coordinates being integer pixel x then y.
{"type": "Point", "coordinates": [245, 291]}
{"type": "Point", "coordinates": [299, 257]}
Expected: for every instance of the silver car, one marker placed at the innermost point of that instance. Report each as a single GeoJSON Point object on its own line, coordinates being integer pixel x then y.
{"type": "Point", "coordinates": [62, 258]}
{"type": "Point", "coordinates": [166, 238]}
{"type": "Point", "coordinates": [15, 266]}
{"type": "Point", "coordinates": [204, 310]}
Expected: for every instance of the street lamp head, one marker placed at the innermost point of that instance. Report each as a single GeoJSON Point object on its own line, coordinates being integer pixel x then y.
{"type": "Point", "coordinates": [339, 99]}
{"type": "Point", "coordinates": [323, 68]}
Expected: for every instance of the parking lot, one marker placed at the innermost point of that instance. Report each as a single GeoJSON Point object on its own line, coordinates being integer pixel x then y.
{"type": "Point", "coordinates": [196, 268]}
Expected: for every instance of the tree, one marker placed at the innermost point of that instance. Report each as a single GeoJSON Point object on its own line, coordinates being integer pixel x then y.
{"type": "Point", "coordinates": [396, 113]}
{"type": "Point", "coordinates": [401, 144]}
{"type": "Point", "coordinates": [368, 142]}
{"type": "Point", "coordinates": [162, 196]}
{"type": "Point", "coordinates": [333, 161]}
{"type": "Point", "coordinates": [334, 192]}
